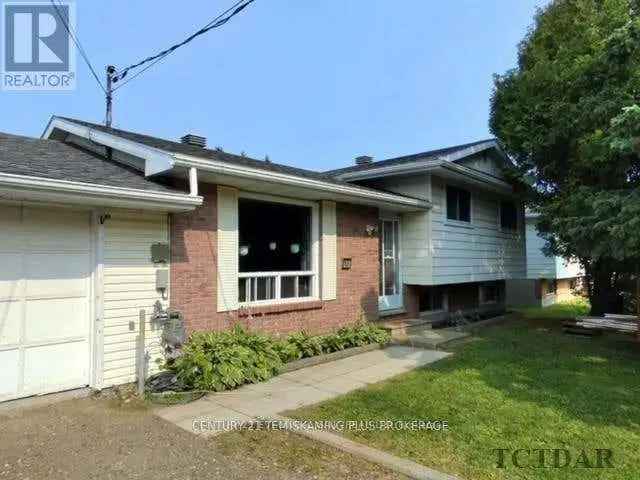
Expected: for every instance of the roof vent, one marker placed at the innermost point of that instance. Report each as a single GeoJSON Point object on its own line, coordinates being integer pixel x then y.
{"type": "Point", "coordinates": [364, 160]}
{"type": "Point", "coordinates": [195, 140]}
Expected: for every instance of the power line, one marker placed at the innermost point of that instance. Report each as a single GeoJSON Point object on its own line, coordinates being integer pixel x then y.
{"type": "Point", "coordinates": [217, 22]}
{"type": "Point", "coordinates": [77, 43]}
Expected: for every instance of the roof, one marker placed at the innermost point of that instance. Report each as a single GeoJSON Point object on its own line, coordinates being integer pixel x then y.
{"type": "Point", "coordinates": [54, 159]}
{"type": "Point", "coordinates": [206, 153]}
{"type": "Point", "coordinates": [431, 154]}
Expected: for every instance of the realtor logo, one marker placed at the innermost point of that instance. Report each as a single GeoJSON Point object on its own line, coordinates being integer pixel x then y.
{"type": "Point", "coordinates": [38, 52]}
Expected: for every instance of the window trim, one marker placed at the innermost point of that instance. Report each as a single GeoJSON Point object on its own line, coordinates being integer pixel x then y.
{"type": "Point", "coordinates": [456, 222]}
{"type": "Point", "coordinates": [314, 272]}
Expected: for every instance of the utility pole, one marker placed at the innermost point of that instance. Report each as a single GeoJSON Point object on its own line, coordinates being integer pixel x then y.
{"type": "Point", "coordinates": [110, 71]}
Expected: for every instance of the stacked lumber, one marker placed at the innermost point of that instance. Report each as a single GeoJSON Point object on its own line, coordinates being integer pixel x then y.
{"type": "Point", "coordinates": [610, 322]}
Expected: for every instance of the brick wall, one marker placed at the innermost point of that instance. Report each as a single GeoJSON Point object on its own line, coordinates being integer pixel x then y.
{"type": "Point", "coordinates": [194, 282]}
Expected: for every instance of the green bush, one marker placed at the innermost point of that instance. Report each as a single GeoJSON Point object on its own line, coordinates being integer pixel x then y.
{"type": "Point", "coordinates": [225, 360]}
{"type": "Point", "coordinates": [306, 345]}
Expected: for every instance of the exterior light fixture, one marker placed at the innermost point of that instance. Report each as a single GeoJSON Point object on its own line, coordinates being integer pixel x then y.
{"type": "Point", "coordinates": [244, 250]}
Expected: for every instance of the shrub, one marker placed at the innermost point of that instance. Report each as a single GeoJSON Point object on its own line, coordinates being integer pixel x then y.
{"type": "Point", "coordinates": [307, 345]}
{"type": "Point", "coordinates": [225, 360]}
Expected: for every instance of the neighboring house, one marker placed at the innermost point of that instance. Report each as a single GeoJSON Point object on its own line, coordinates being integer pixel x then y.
{"type": "Point", "coordinates": [456, 256]}
{"type": "Point", "coordinates": [99, 227]}
{"type": "Point", "coordinates": [549, 279]}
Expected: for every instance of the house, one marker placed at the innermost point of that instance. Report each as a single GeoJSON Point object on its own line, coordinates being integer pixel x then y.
{"type": "Point", "coordinates": [100, 227]}
{"type": "Point", "coordinates": [455, 257]}
{"type": "Point", "coordinates": [549, 279]}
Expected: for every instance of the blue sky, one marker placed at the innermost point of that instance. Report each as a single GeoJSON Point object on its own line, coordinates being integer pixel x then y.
{"type": "Point", "coordinates": [310, 83]}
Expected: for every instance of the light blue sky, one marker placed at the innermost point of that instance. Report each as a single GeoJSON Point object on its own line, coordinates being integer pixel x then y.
{"type": "Point", "coordinates": [311, 83]}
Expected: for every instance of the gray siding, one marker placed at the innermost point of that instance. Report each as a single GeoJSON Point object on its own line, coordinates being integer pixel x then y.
{"type": "Point", "coordinates": [478, 251]}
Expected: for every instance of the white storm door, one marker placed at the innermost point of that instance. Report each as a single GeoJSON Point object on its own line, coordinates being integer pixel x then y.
{"type": "Point", "coordinates": [390, 287]}
{"type": "Point", "coordinates": [45, 290]}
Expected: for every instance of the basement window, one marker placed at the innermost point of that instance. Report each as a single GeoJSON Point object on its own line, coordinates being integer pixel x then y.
{"type": "Point", "coordinates": [489, 293]}
{"type": "Point", "coordinates": [508, 216]}
{"type": "Point", "coordinates": [432, 299]}
{"type": "Point", "coordinates": [458, 204]}
{"type": "Point", "coordinates": [275, 251]}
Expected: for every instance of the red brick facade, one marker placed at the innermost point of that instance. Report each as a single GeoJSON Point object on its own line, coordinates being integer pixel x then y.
{"type": "Point", "coordinates": [194, 282]}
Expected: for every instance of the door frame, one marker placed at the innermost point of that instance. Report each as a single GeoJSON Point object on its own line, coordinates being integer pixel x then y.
{"type": "Point", "coordinates": [391, 302]}
{"type": "Point", "coordinates": [96, 357]}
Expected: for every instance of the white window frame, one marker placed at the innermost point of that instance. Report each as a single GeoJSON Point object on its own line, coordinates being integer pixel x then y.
{"type": "Point", "coordinates": [458, 223]}
{"type": "Point", "coordinates": [315, 256]}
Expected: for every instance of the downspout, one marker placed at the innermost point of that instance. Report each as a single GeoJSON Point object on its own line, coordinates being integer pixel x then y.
{"type": "Point", "coordinates": [193, 181]}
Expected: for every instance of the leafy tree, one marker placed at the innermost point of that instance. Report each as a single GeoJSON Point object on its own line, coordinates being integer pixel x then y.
{"type": "Point", "coordinates": [568, 115]}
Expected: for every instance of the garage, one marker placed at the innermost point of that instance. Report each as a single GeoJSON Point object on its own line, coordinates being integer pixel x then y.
{"type": "Point", "coordinates": [45, 300]}
{"type": "Point", "coordinates": [77, 270]}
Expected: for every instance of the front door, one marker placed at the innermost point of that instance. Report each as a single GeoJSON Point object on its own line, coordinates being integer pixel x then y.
{"type": "Point", "coordinates": [390, 287]}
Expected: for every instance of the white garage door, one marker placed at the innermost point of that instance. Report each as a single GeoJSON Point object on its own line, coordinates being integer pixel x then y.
{"type": "Point", "coordinates": [45, 286]}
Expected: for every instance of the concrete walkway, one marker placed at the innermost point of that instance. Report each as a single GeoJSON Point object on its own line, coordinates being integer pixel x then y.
{"type": "Point", "coordinates": [221, 411]}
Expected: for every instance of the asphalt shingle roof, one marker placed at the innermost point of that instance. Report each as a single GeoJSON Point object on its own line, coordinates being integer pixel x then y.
{"type": "Point", "coordinates": [58, 160]}
{"type": "Point", "coordinates": [432, 154]}
{"type": "Point", "coordinates": [206, 153]}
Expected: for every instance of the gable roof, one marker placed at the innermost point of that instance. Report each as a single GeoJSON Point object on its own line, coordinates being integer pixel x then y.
{"type": "Point", "coordinates": [57, 160]}
{"type": "Point", "coordinates": [166, 157]}
{"type": "Point", "coordinates": [206, 153]}
{"type": "Point", "coordinates": [424, 156]}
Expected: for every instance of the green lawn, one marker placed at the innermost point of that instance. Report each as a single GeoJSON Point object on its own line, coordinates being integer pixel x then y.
{"type": "Point", "coordinates": [520, 385]}
{"type": "Point", "coordinates": [560, 311]}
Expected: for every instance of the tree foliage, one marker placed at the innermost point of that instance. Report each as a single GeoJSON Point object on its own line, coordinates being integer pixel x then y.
{"type": "Point", "coordinates": [568, 115]}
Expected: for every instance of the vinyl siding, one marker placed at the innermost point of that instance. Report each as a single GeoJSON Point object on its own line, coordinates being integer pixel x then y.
{"type": "Point", "coordinates": [477, 251]}
{"type": "Point", "coordinates": [129, 287]}
{"type": "Point", "coordinates": [541, 266]}
{"type": "Point", "coordinates": [415, 255]}
{"type": "Point", "coordinates": [329, 251]}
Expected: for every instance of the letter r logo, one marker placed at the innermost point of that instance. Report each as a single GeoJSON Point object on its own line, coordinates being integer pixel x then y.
{"type": "Point", "coordinates": [35, 37]}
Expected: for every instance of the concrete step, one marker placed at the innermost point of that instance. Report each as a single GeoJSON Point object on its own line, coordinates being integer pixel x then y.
{"type": "Point", "coordinates": [426, 337]}
{"type": "Point", "coordinates": [405, 326]}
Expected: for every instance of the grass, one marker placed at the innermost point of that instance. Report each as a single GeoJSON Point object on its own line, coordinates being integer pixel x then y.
{"type": "Point", "coordinates": [524, 385]}
{"type": "Point", "coordinates": [559, 311]}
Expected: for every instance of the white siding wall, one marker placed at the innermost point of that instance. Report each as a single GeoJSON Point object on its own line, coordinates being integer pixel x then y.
{"type": "Point", "coordinates": [415, 255]}
{"type": "Point", "coordinates": [480, 251]}
{"type": "Point", "coordinates": [541, 266]}
{"type": "Point", "coordinates": [129, 287]}
{"type": "Point", "coordinates": [538, 264]}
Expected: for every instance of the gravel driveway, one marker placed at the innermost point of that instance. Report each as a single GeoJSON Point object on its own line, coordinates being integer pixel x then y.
{"type": "Point", "coordinates": [100, 438]}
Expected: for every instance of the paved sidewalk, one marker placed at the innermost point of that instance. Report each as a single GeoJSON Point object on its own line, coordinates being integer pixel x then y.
{"type": "Point", "coordinates": [297, 389]}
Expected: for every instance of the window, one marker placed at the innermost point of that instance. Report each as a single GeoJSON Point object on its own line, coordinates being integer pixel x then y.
{"type": "Point", "coordinates": [508, 215]}
{"type": "Point", "coordinates": [489, 293]}
{"type": "Point", "coordinates": [275, 260]}
{"type": "Point", "coordinates": [458, 204]}
{"type": "Point", "coordinates": [431, 299]}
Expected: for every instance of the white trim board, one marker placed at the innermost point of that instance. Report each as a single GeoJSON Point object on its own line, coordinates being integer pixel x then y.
{"type": "Point", "coordinates": [64, 191]}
